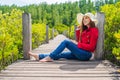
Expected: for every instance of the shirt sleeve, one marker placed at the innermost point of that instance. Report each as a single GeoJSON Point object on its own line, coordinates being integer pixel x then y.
{"type": "Point", "coordinates": [93, 41]}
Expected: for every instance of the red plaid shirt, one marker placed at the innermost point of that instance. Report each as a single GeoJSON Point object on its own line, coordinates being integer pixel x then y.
{"type": "Point", "coordinates": [88, 39]}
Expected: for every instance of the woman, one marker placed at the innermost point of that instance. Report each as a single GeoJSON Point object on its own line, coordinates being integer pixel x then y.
{"type": "Point", "coordinates": [82, 49]}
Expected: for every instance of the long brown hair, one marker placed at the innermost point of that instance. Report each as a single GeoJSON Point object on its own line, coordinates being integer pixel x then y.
{"type": "Point", "coordinates": [83, 27]}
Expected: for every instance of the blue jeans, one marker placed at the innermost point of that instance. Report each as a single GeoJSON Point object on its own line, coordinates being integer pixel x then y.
{"type": "Point", "coordinates": [74, 53]}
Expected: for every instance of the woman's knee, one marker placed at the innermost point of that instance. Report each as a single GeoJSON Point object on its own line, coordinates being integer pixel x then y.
{"type": "Point", "coordinates": [66, 41]}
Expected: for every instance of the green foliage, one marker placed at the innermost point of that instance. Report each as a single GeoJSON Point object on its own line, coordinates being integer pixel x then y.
{"type": "Point", "coordinates": [72, 31]}
{"type": "Point", "coordinates": [61, 28]}
{"type": "Point", "coordinates": [116, 50]}
{"type": "Point", "coordinates": [112, 26]}
{"type": "Point", "coordinates": [10, 36]}
{"type": "Point", "coordinates": [55, 14]}
{"type": "Point", "coordinates": [39, 34]}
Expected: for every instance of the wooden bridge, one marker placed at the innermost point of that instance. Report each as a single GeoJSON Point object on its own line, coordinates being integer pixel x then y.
{"type": "Point", "coordinates": [60, 69]}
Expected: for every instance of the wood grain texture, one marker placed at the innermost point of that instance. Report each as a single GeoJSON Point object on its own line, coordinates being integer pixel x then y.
{"type": "Point", "coordinates": [100, 43]}
{"type": "Point", "coordinates": [27, 44]}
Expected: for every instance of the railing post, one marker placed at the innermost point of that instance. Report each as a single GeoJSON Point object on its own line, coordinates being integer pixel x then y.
{"type": "Point", "coordinates": [52, 33]}
{"type": "Point", "coordinates": [47, 34]}
{"type": "Point", "coordinates": [26, 23]}
{"type": "Point", "coordinates": [100, 42]}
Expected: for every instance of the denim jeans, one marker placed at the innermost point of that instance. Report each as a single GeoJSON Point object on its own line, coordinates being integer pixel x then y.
{"type": "Point", "coordinates": [73, 53]}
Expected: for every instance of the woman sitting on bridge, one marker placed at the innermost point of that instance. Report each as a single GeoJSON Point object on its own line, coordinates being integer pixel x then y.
{"type": "Point", "coordinates": [82, 49]}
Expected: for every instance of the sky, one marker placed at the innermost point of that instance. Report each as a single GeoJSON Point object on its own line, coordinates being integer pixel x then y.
{"type": "Point", "coordinates": [27, 2]}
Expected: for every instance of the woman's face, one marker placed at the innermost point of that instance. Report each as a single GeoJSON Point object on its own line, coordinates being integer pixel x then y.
{"type": "Point", "coordinates": [86, 20]}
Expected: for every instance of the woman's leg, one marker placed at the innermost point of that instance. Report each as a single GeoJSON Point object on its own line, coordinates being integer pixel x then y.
{"type": "Point", "coordinates": [67, 55]}
{"type": "Point", "coordinates": [56, 52]}
{"type": "Point", "coordinates": [79, 53]}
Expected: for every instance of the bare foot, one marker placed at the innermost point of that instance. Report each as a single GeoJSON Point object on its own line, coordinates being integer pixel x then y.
{"type": "Point", "coordinates": [46, 59]}
{"type": "Point", "coordinates": [34, 55]}
{"type": "Point", "coordinates": [118, 71]}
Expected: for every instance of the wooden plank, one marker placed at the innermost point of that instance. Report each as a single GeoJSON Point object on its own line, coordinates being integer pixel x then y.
{"type": "Point", "coordinates": [55, 72]}
{"type": "Point", "coordinates": [60, 66]}
{"type": "Point", "coordinates": [60, 69]}
{"type": "Point", "coordinates": [61, 61]}
{"type": "Point", "coordinates": [59, 75]}
{"type": "Point", "coordinates": [57, 65]}
{"type": "Point", "coordinates": [52, 69]}
{"type": "Point", "coordinates": [59, 78]}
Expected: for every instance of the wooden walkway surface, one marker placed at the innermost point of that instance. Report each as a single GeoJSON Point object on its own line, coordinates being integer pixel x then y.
{"type": "Point", "coordinates": [60, 69]}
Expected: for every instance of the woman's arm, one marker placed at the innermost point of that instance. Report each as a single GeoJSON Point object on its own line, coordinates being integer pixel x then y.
{"type": "Point", "coordinates": [77, 34]}
{"type": "Point", "coordinates": [93, 41]}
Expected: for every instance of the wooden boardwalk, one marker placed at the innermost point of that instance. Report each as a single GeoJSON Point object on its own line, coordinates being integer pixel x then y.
{"type": "Point", "coordinates": [60, 69]}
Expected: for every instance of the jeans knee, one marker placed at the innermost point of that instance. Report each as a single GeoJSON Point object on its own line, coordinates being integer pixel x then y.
{"type": "Point", "coordinates": [66, 41]}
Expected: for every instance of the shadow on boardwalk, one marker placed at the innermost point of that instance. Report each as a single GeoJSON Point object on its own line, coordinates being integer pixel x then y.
{"type": "Point", "coordinates": [58, 70]}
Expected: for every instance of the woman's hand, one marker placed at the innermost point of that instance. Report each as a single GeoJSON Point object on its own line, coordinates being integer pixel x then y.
{"type": "Point", "coordinates": [78, 27]}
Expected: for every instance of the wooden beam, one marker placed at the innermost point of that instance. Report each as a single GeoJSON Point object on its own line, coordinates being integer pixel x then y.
{"type": "Point", "coordinates": [47, 34]}
{"type": "Point", "coordinates": [26, 23]}
{"type": "Point", "coordinates": [53, 33]}
{"type": "Point", "coordinates": [100, 42]}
